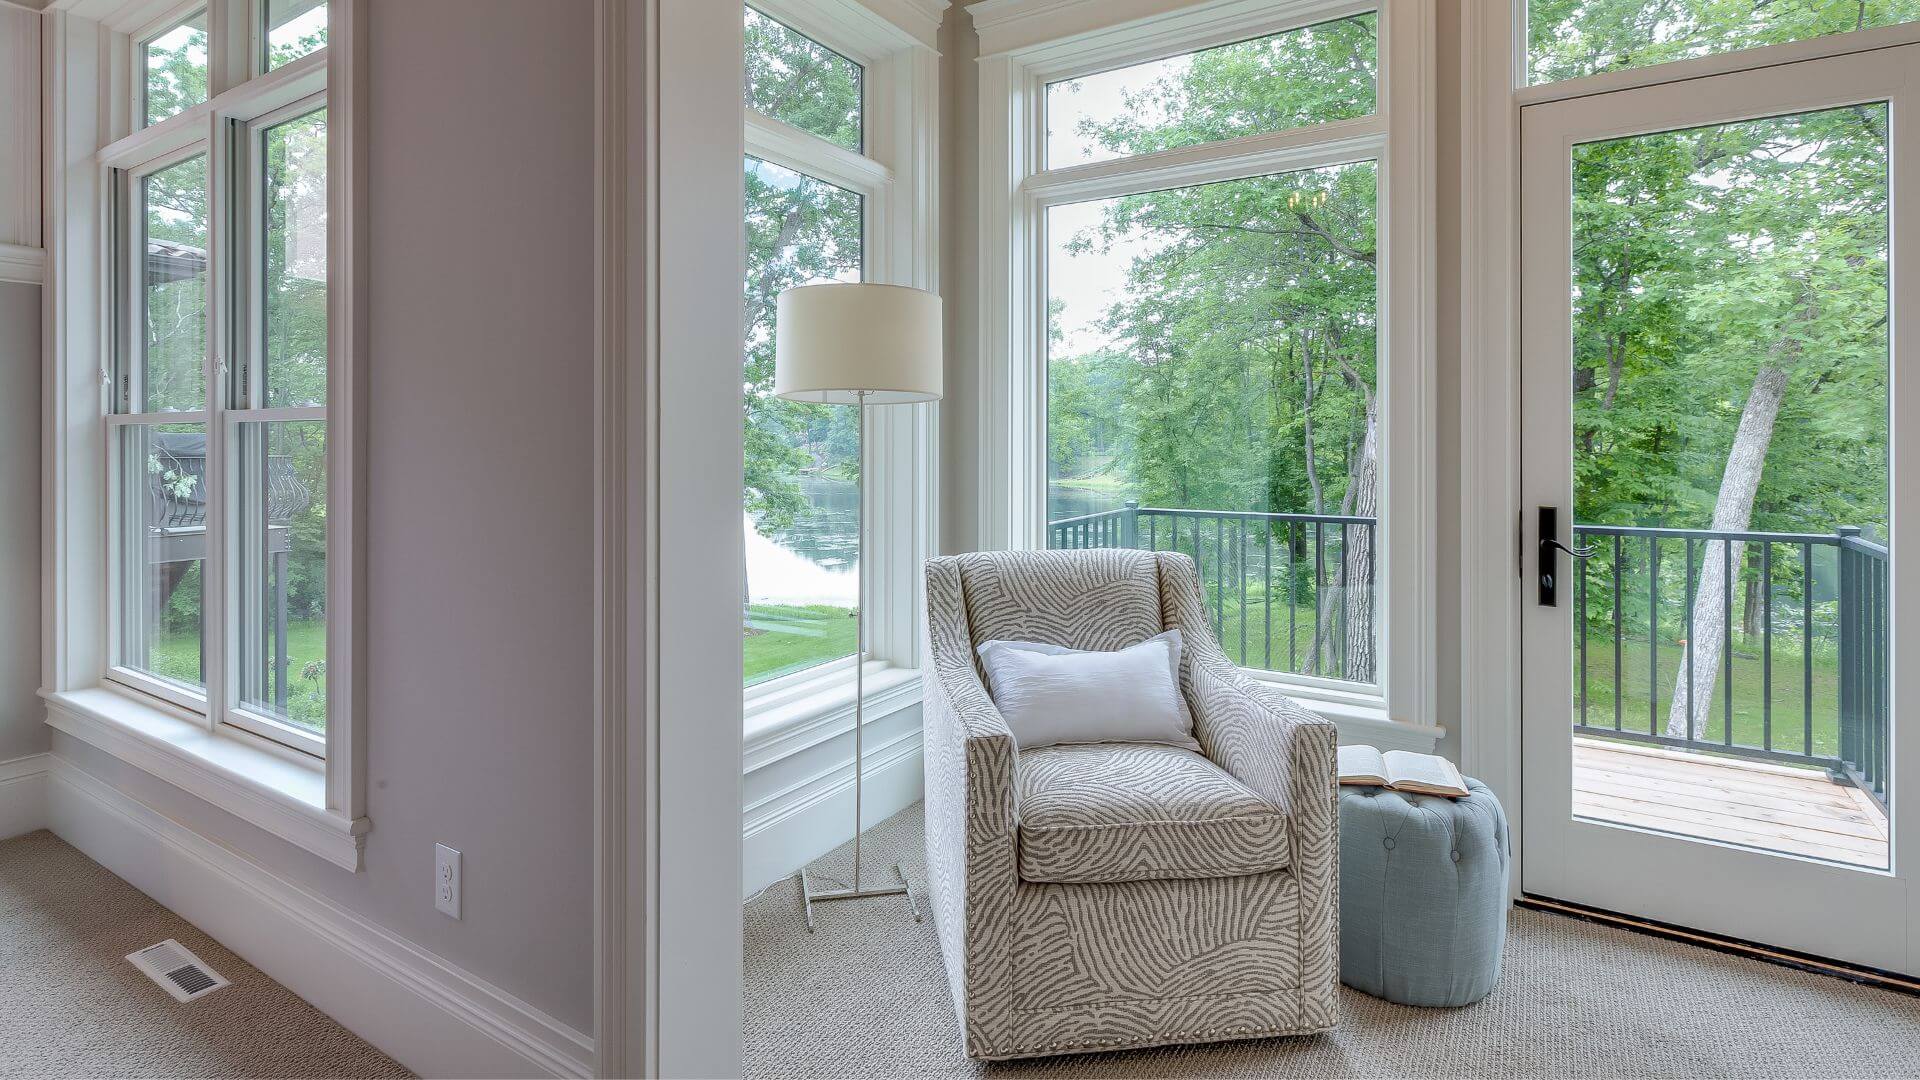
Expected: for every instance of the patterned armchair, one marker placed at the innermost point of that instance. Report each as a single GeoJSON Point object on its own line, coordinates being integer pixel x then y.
{"type": "Point", "coordinates": [1100, 897]}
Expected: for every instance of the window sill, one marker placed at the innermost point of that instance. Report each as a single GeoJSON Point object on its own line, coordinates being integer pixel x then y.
{"type": "Point", "coordinates": [806, 712]}
{"type": "Point", "coordinates": [1361, 716]}
{"type": "Point", "coordinates": [270, 789]}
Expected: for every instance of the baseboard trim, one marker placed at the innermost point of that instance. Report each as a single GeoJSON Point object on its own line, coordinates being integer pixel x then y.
{"type": "Point", "coordinates": [23, 795]}
{"type": "Point", "coordinates": [790, 829]}
{"type": "Point", "coordinates": [428, 1014]}
{"type": "Point", "coordinates": [1819, 965]}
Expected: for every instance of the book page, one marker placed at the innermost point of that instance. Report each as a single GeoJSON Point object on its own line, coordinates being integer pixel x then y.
{"type": "Point", "coordinates": [1427, 774]}
{"type": "Point", "coordinates": [1362, 765]}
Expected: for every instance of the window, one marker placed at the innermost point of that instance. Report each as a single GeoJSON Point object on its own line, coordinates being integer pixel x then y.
{"type": "Point", "coordinates": [1210, 389]}
{"type": "Point", "coordinates": [1312, 75]}
{"type": "Point", "coordinates": [1186, 340]}
{"type": "Point", "coordinates": [796, 80]}
{"type": "Point", "coordinates": [294, 28]}
{"type": "Point", "coordinates": [1567, 39]}
{"type": "Point", "coordinates": [174, 69]}
{"type": "Point", "coordinates": [802, 461]}
{"type": "Point", "coordinates": [219, 465]}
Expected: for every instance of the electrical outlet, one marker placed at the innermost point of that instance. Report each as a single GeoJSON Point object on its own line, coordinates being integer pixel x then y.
{"type": "Point", "coordinates": [446, 880]}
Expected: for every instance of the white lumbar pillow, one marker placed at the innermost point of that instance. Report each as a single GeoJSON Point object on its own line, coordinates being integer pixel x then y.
{"type": "Point", "coordinates": [1050, 694]}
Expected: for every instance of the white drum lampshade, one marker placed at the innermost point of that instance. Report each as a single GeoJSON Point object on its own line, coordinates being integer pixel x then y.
{"type": "Point", "coordinates": [835, 342]}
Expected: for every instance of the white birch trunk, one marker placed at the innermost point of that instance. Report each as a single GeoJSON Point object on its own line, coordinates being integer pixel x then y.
{"type": "Point", "coordinates": [1732, 512]}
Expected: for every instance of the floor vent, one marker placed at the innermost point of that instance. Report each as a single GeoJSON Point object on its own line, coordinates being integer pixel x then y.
{"type": "Point", "coordinates": [177, 970]}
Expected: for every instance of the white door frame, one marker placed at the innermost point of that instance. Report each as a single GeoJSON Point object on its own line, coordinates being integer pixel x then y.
{"type": "Point", "coordinates": [668, 555]}
{"type": "Point", "coordinates": [1819, 908]}
{"type": "Point", "coordinates": [1492, 578]}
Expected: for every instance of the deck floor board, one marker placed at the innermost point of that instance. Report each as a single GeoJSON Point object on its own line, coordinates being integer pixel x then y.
{"type": "Point", "coordinates": [1762, 805]}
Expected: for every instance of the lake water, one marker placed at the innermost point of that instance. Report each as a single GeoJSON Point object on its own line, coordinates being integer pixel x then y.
{"type": "Point", "coordinates": [813, 561]}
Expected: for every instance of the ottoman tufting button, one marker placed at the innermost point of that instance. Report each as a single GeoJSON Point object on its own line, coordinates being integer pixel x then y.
{"type": "Point", "coordinates": [1455, 853]}
{"type": "Point", "coordinates": [1388, 842]}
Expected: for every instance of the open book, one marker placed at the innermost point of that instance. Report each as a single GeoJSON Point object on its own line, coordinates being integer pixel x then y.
{"type": "Point", "coordinates": [1401, 770]}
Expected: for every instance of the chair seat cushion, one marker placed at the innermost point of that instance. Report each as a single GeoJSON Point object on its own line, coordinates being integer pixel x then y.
{"type": "Point", "coordinates": [1131, 812]}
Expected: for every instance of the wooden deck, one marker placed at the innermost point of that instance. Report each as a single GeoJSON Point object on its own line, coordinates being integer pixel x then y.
{"type": "Point", "coordinates": [1751, 803]}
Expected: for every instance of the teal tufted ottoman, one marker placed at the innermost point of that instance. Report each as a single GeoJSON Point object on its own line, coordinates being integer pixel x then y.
{"type": "Point", "coordinates": [1423, 894]}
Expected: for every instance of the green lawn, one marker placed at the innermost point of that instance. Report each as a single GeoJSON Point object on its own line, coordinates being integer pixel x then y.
{"type": "Point", "coordinates": [1749, 692]}
{"type": "Point", "coordinates": [176, 655]}
{"type": "Point", "coordinates": [792, 638]}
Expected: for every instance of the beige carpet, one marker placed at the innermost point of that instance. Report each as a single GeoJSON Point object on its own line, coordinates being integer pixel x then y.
{"type": "Point", "coordinates": [72, 1006]}
{"type": "Point", "coordinates": [866, 996]}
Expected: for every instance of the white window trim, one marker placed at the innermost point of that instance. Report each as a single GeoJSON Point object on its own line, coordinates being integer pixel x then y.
{"type": "Point", "coordinates": [898, 179]}
{"type": "Point", "coordinates": [1025, 44]}
{"type": "Point", "coordinates": [316, 804]}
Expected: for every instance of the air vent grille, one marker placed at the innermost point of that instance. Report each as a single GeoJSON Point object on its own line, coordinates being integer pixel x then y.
{"type": "Point", "coordinates": [180, 973]}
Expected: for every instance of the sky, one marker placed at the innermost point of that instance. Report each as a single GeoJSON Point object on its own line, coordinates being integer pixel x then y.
{"type": "Point", "coordinates": [1089, 283]}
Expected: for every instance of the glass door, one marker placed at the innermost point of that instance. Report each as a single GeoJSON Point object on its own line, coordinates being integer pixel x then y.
{"type": "Point", "coordinates": [1712, 402]}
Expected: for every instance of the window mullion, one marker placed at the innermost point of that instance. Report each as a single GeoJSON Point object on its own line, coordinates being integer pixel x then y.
{"type": "Point", "coordinates": [224, 248]}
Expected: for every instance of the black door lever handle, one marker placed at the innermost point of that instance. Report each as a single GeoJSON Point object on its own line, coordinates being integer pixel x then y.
{"type": "Point", "coordinates": [1578, 553]}
{"type": "Point", "coordinates": [1549, 540]}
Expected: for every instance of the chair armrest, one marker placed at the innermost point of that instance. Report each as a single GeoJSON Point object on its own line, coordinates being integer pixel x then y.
{"type": "Point", "coordinates": [964, 731]}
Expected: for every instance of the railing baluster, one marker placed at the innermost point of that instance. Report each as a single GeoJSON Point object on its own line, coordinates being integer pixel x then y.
{"type": "Point", "coordinates": [1766, 647]}
{"type": "Point", "coordinates": [1293, 663]}
{"type": "Point", "coordinates": [1726, 645]}
{"type": "Point", "coordinates": [1582, 632]}
{"type": "Point", "coordinates": [1240, 540]}
{"type": "Point", "coordinates": [1806, 647]}
{"type": "Point", "coordinates": [1319, 591]}
{"type": "Point", "coordinates": [1653, 635]}
{"type": "Point", "coordinates": [1266, 601]}
{"type": "Point", "coordinates": [1219, 577]}
{"type": "Point", "coordinates": [1619, 617]}
{"type": "Point", "coordinates": [1689, 639]}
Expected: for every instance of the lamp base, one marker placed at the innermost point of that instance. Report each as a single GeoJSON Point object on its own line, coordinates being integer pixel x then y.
{"type": "Point", "coordinates": [809, 896]}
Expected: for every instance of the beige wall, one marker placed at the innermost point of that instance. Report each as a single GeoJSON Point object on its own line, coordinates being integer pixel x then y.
{"type": "Point", "coordinates": [21, 730]}
{"type": "Point", "coordinates": [960, 480]}
{"type": "Point", "coordinates": [480, 508]}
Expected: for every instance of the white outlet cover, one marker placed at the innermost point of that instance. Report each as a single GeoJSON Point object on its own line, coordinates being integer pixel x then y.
{"type": "Point", "coordinates": [446, 880]}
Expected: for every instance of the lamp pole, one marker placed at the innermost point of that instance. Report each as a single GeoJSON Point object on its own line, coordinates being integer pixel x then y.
{"type": "Point", "coordinates": [855, 891]}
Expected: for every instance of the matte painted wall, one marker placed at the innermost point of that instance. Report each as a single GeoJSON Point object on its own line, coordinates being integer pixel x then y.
{"type": "Point", "coordinates": [480, 507]}
{"type": "Point", "coordinates": [21, 730]}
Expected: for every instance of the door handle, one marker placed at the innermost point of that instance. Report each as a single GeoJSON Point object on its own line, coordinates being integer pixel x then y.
{"type": "Point", "coordinates": [1549, 528]}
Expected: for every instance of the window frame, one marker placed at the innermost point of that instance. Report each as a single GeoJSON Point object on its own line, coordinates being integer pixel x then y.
{"type": "Point", "coordinates": [1022, 51]}
{"type": "Point", "coordinates": [306, 789]}
{"type": "Point", "coordinates": [896, 178]}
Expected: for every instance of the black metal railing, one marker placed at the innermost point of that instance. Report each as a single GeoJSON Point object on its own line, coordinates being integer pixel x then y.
{"type": "Point", "coordinates": [1285, 592]}
{"type": "Point", "coordinates": [1799, 667]}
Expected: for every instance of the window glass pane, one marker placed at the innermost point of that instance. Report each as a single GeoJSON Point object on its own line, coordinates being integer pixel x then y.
{"type": "Point", "coordinates": [802, 461]}
{"type": "Point", "coordinates": [1731, 434]}
{"type": "Point", "coordinates": [1211, 390]}
{"type": "Point", "coordinates": [795, 79]}
{"type": "Point", "coordinates": [282, 512]}
{"type": "Point", "coordinates": [1570, 38]}
{"type": "Point", "coordinates": [176, 69]}
{"type": "Point", "coordinates": [294, 329]}
{"type": "Point", "coordinates": [162, 547]}
{"type": "Point", "coordinates": [294, 29]}
{"type": "Point", "coordinates": [173, 288]}
{"type": "Point", "coordinates": [1311, 75]}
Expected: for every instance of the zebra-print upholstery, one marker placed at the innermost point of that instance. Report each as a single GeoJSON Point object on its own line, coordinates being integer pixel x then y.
{"type": "Point", "coordinates": [1115, 812]}
{"type": "Point", "coordinates": [1042, 968]}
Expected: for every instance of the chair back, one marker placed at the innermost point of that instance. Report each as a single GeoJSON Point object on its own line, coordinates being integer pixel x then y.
{"type": "Point", "coordinates": [1106, 598]}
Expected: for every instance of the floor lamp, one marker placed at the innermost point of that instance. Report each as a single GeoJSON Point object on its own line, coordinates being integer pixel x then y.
{"type": "Point", "coordinates": [859, 345]}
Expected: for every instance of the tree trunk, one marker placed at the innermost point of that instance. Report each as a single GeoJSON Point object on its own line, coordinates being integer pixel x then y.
{"type": "Point", "coordinates": [1350, 595]}
{"type": "Point", "coordinates": [1362, 501]}
{"type": "Point", "coordinates": [1732, 512]}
